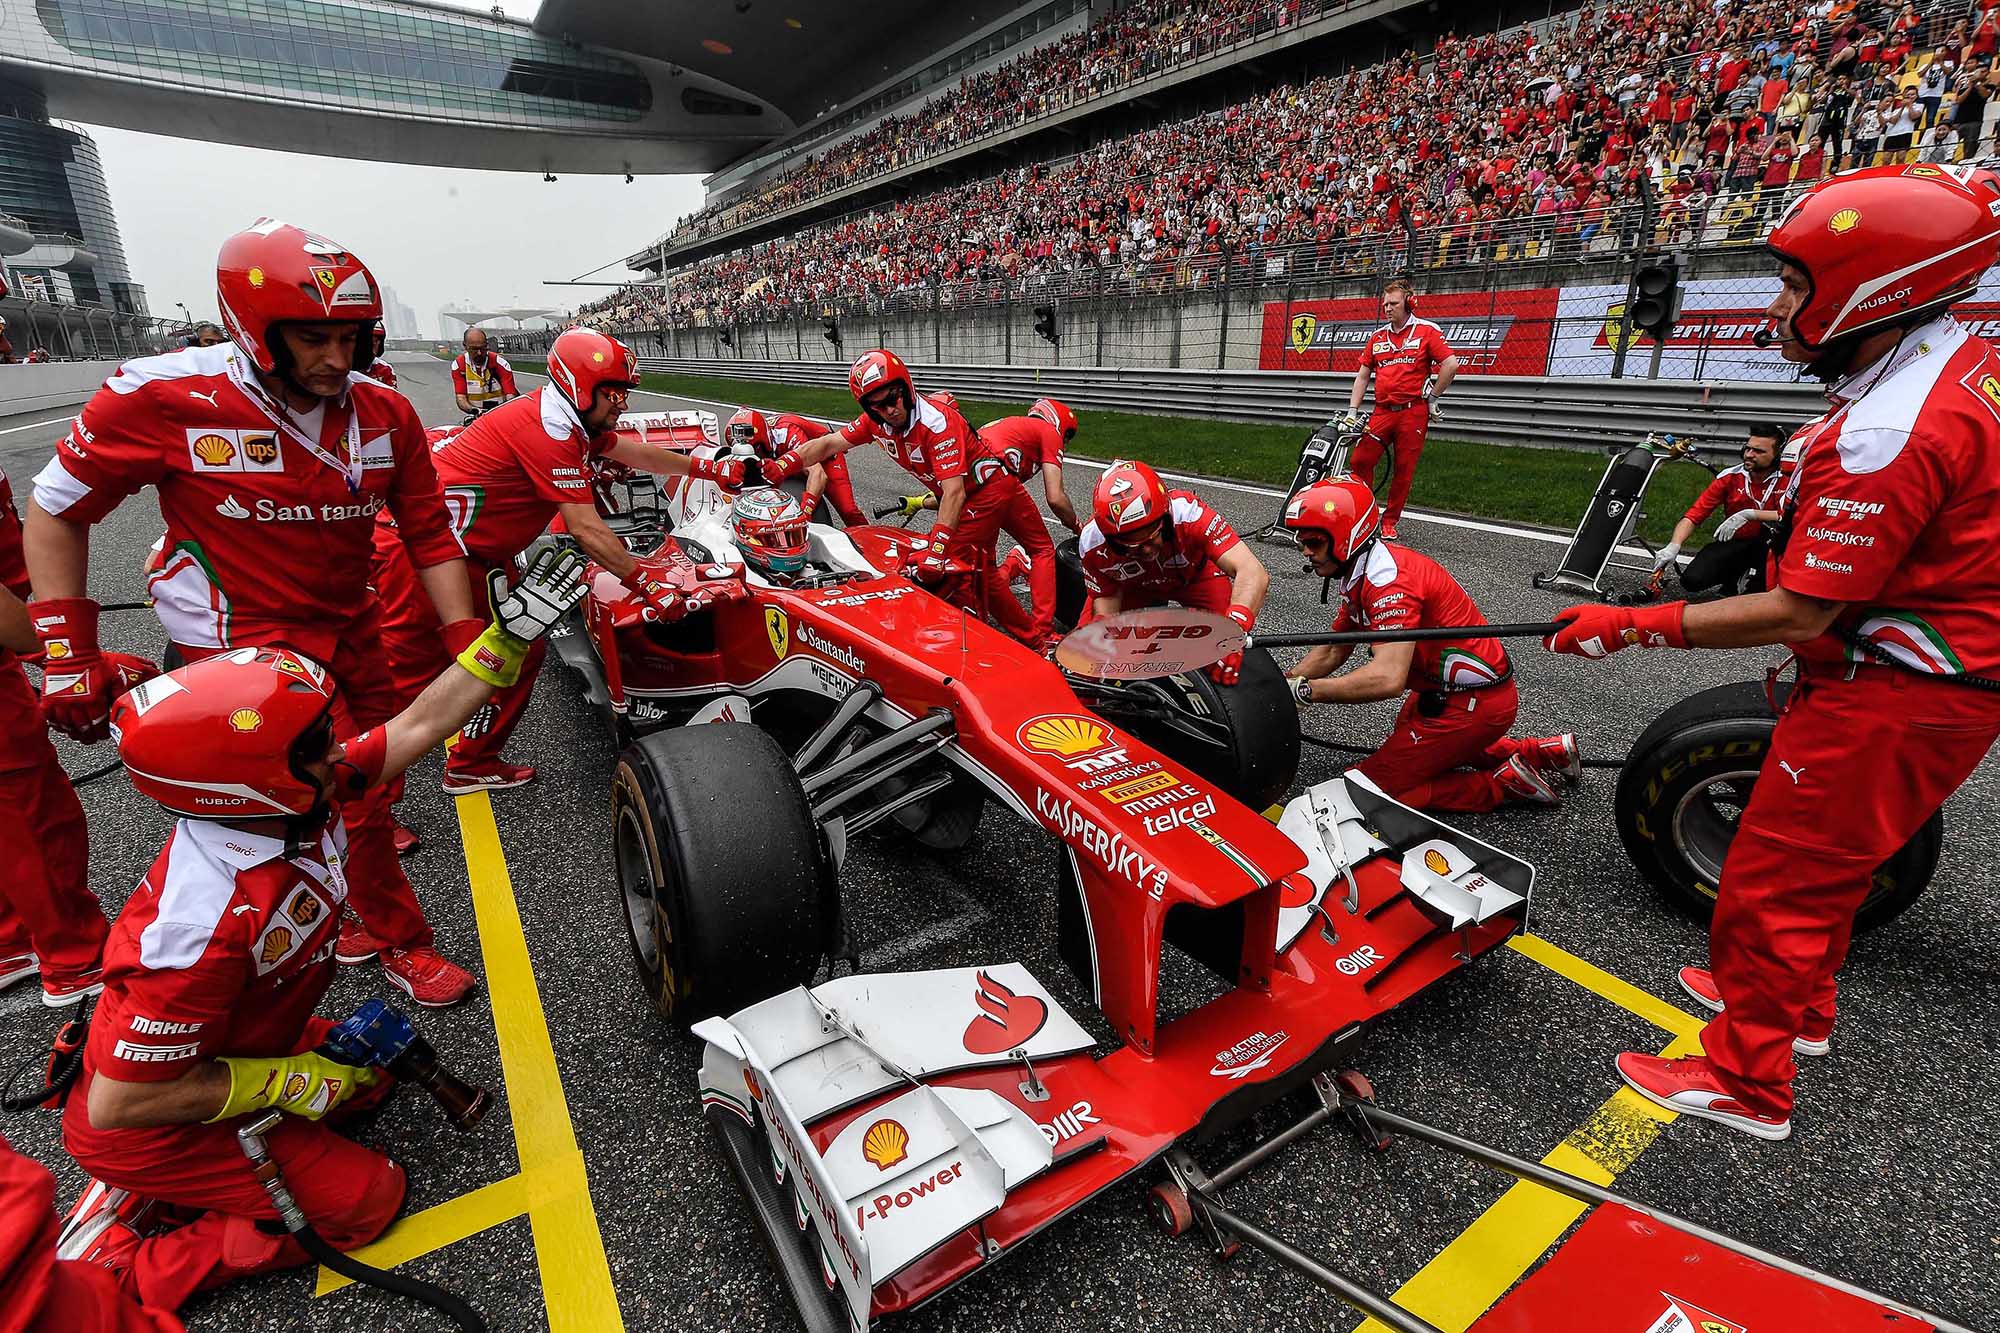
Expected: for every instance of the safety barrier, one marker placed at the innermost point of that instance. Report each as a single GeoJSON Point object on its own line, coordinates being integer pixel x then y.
{"type": "Point", "coordinates": [1501, 409]}
{"type": "Point", "coordinates": [52, 384]}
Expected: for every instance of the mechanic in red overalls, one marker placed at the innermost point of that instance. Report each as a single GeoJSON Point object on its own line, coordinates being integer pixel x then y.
{"type": "Point", "coordinates": [217, 962]}
{"type": "Point", "coordinates": [270, 459]}
{"type": "Point", "coordinates": [1886, 588]}
{"type": "Point", "coordinates": [768, 437]}
{"type": "Point", "coordinates": [505, 477]}
{"type": "Point", "coordinates": [50, 923]}
{"type": "Point", "coordinates": [1146, 545]}
{"type": "Point", "coordinates": [1448, 748]}
{"type": "Point", "coordinates": [1401, 356]}
{"type": "Point", "coordinates": [1748, 496]}
{"type": "Point", "coordinates": [40, 1293]}
{"type": "Point", "coordinates": [481, 380]}
{"type": "Point", "coordinates": [379, 368]}
{"type": "Point", "coordinates": [929, 439]}
{"type": "Point", "coordinates": [1027, 445]}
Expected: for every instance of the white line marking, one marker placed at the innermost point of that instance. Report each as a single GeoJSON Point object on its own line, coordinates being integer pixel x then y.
{"type": "Point", "coordinates": [33, 425]}
{"type": "Point", "coordinates": [940, 932]}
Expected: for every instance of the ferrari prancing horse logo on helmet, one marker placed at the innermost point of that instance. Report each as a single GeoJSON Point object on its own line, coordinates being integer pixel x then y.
{"type": "Point", "coordinates": [779, 627]}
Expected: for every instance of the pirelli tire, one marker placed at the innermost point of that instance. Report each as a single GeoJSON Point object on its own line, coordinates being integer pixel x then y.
{"type": "Point", "coordinates": [727, 893]}
{"type": "Point", "coordinates": [1258, 761]}
{"type": "Point", "coordinates": [1686, 782]}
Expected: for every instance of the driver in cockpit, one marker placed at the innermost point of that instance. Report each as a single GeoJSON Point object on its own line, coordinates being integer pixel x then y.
{"type": "Point", "coordinates": [769, 528]}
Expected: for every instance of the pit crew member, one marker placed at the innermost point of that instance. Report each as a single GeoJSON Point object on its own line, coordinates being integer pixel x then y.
{"type": "Point", "coordinates": [379, 368]}
{"type": "Point", "coordinates": [206, 334]}
{"type": "Point", "coordinates": [218, 960]}
{"type": "Point", "coordinates": [1146, 545]}
{"type": "Point", "coordinates": [271, 459]}
{"type": "Point", "coordinates": [827, 479]}
{"type": "Point", "coordinates": [39, 1291]}
{"type": "Point", "coordinates": [1885, 589]}
{"type": "Point", "coordinates": [1400, 357]}
{"type": "Point", "coordinates": [50, 923]}
{"type": "Point", "coordinates": [505, 477]}
{"type": "Point", "coordinates": [930, 440]}
{"type": "Point", "coordinates": [1748, 496]}
{"type": "Point", "coordinates": [481, 380]}
{"type": "Point", "coordinates": [1448, 748]}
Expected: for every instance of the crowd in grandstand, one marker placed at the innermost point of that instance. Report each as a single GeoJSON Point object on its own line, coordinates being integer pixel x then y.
{"type": "Point", "coordinates": [1525, 144]}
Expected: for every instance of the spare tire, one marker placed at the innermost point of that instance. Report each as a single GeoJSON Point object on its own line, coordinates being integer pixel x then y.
{"type": "Point", "coordinates": [1686, 783]}
{"type": "Point", "coordinates": [728, 895]}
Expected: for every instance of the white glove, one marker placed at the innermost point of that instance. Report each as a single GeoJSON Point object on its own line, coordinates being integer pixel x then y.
{"type": "Point", "coordinates": [1730, 526]}
{"type": "Point", "coordinates": [1302, 691]}
{"type": "Point", "coordinates": [1665, 556]}
{"type": "Point", "coordinates": [552, 585]}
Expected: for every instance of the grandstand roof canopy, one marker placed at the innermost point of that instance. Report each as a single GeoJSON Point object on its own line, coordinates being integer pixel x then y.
{"type": "Point", "coordinates": [800, 56]}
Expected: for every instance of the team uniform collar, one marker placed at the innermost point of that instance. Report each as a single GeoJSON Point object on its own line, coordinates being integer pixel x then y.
{"type": "Point", "coordinates": [558, 411]}
{"type": "Point", "coordinates": [232, 846]}
{"type": "Point", "coordinates": [1941, 335]}
{"type": "Point", "coordinates": [241, 375]}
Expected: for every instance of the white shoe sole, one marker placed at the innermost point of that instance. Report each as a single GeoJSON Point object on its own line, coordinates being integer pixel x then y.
{"type": "Point", "coordinates": [21, 972]}
{"type": "Point", "coordinates": [1755, 1129]}
{"type": "Point", "coordinates": [1800, 1045]}
{"type": "Point", "coordinates": [72, 998]}
{"type": "Point", "coordinates": [355, 959]}
{"type": "Point", "coordinates": [462, 787]}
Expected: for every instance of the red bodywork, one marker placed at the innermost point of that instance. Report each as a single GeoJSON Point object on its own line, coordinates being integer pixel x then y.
{"type": "Point", "coordinates": [1024, 734]}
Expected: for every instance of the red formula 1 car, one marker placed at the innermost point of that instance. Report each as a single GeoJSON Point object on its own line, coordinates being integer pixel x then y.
{"type": "Point", "coordinates": [897, 1133]}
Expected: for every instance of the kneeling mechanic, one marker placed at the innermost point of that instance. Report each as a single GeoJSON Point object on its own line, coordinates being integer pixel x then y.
{"type": "Point", "coordinates": [216, 964]}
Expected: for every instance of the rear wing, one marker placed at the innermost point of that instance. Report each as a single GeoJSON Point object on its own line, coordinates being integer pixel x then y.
{"type": "Point", "coordinates": [670, 430]}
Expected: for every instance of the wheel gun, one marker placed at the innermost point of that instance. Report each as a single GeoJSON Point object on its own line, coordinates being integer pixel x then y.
{"type": "Point", "coordinates": [378, 1036]}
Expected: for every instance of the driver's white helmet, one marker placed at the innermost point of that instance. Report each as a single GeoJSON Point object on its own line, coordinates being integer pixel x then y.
{"type": "Point", "coordinates": [769, 527]}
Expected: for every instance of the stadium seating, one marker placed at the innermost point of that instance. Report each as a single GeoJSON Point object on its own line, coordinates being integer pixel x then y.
{"type": "Point", "coordinates": [1495, 147]}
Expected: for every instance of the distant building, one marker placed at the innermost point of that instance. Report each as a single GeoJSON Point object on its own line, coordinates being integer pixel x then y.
{"type": "Point", "coordinates": [52, 183]}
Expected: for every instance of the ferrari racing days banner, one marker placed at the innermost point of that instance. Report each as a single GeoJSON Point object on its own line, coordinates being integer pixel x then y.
{"type": "Point", "coordinates": [1494, 333]}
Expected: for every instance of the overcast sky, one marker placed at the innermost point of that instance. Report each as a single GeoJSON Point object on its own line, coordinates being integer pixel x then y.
{"type": "Point", "coordinates": [435, 236]}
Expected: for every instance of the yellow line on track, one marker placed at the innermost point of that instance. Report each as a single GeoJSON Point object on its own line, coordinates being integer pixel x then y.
{"type": "Point", "coordinates": [1601, 983]}
{"type": "Point", "coordinates": [576, 1277]}
{"type": "Point", "coordinates": [435, 1228]}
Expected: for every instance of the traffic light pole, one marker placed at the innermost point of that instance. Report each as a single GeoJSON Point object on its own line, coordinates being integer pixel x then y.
{"type": "Point", "coordinates": [1639, 254]}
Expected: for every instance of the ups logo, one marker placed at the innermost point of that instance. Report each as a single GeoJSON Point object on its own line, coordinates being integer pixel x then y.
{"type": "Point", "coordinates": [261, 449]}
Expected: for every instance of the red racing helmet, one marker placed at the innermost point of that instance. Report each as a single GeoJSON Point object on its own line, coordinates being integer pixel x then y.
{"type": "Point", "coordinates": [875, 370]}
{"type": "Point", "coordinates": [274, 272]}
{"type": "Point", "coordinates": [229, 737]}
{"type": "Point", "coordinates": [769, 526]}
{"type": "Point", "coordinates": [1885, 243]}
{"type": "Point", "coordinates": [1342, 508]}
{"type": "Point", "coordinates": [1057, 415]}
{"type": "Point", "coordinates": [1128, 496]}
{"type": "Point", "coordinates": [581, 361]}
{"type": "Point", "coordinates": [748, 430]}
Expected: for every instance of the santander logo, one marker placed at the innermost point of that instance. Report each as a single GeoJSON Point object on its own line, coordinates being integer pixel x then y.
{"type": "Point", "coordinates": [1005, 1020]}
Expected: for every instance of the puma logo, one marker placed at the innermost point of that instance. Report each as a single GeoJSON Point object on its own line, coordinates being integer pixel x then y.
{"type": "Point", "coordinates": [1793, 773]}
{"type": "Point", "coordinates": [208, 397]}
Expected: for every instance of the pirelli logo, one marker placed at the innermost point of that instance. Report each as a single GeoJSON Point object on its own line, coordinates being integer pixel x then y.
{"type": "Point", "coordinates": [1126, 792]}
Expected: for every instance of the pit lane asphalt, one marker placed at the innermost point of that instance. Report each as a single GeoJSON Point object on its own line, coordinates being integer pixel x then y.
{"type": "Point", "coordinates": [1887, 1181]}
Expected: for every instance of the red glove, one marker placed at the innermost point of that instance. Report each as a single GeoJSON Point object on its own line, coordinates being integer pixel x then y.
{"type": "Point", "coordinates": [1599, 631]}
{"type": "Point", "coordinates": [459, 635]}
{"type": "Point", "coordinates": [809, 504]}
{"type": "Point", "coordinates": [665, 601]}
{"type": "Point", "coordinates": [724, 472]}
{"type": "Point", "coordinates": [1230, 668]}
{"type": "Point", "coordinates": [128, 671]}
{"type": "Point", "coordinates": [77, 682]}
{"type": "Point", "coordinates": [929, 566]}
{"type": "Point", "coordinates": [787, 464]}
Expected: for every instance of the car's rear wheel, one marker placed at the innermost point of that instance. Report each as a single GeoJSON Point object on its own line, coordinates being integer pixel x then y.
{"type": "Point", "coordinates": [1687, 782]}
{"type": "Point", "coordinates": [726, 891]}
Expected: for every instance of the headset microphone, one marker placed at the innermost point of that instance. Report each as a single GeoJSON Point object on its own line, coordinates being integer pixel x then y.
{"type": "Point", "coordinates": [1765, 337]}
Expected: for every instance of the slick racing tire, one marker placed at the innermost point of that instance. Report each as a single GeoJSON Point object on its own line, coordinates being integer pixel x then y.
{"type": "Point", "coordinates": [1686, 783]}
{"type": "Point", "coordinates": [1069, 585]}
{"type": "Point", "coordinates": [726, 892]}
{"type": "Point", "coordinates": [1260, 757]}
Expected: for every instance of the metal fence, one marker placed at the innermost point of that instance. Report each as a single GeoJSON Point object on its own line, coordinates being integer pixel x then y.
{"type": "Point", "coordinates": [63, 331]}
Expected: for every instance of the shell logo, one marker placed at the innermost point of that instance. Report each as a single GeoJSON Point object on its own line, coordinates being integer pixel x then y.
{"type": "Point", "coordinates": [256, 276]}
{"type": "Point", "coordinates": [1435, 862]}
{"type": "Point", "coordinates": [245, 720]}
{"type": "Point", "coordinates": [1846, 220]}
{"type": "Point", "coordinates": [215, 450]}
{"type": "Point", "coordinates": [276, 942]}
{"type": "Point", "coordinates": [597, 357]}
{"type": "Point", "coordinates": [886, 1144]}
{"type": "Point", "coordinates": [1064, 735]}
{"type": "Point", "coordinates": [55, 650]}
{"type": "Point", "coordinates": [295, 1086]}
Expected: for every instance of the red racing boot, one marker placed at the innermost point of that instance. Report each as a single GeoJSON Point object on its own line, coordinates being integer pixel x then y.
{"type": "Point", "coordinates": [105, 1226]}
{"type": "Point", "coordinates": [1554, 756]}
{"type": "Point", "coordinates": [407, 840]}
{"type": "Point", "coordinates": [18, 967]}
{"type": "Point", "coordinates": [1699, 983]}
{"type": "Point", "coordinates": [1689, 1085]}
{"type": "Point", "coordinates": [356, 943]}
{"type": "Point", "coordinates": [1520, 781]}
{"type": "Point", "coordinates": [60, 990]}
{"type": "Point", "coordinates": [494, 776]}
{"type": "Point", "coordinates": [1014, 569]}
{"type": "Point", "coordinates": [427, 976]}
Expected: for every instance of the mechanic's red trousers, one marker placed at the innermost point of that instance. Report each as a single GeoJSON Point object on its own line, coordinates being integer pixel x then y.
{"type": "Point", "coordinates": [1212, 591]}
{"type": "Point", "coordinates": [975, 542]}
{"type": "Point", "coordinates": [1855, 768]}
{"type": "Point", "coordinates": [1023, 522]}
{"type": "Point", "coordinates": [377, 889]}
{"type": "Point", "coordinates": [413, 641]}
{"type": "Point", "coordinates": [1404, 431]}
{"type": "Point", "coordinates": [46, 906]}
{"type": "Point", "coordinates": [38, 1294]}
{"type": "Point", "coordinates": [1423, 763]}
{"type": "Point", "coordinates": [840, 492]}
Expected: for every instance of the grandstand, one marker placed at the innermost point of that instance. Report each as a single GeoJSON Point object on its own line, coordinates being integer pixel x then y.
{"type": "Point", "coordinates": [1537, 156]}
